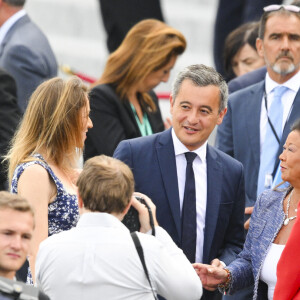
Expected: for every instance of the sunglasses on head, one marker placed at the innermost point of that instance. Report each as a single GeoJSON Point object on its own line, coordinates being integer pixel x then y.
{"type": "Point", "coordinates": [274, 7]}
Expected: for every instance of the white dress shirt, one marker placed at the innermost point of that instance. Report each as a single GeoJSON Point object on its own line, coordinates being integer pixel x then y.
{"type": "Point", "coordinates": [9, 23]}
{"type": "Point", "coordinates": [200, 173]}
{"type": "Point", "coordinates": [287, 101]}
{"type": "Point", "coordinates": [97, 260]}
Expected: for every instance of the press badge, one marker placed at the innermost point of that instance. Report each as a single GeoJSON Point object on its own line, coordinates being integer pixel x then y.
{"type": "Point", "coordinates": [268, 181]}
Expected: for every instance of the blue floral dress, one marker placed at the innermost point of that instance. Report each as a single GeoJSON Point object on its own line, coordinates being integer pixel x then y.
{"type": "Point", "coordinates": [63, 213]}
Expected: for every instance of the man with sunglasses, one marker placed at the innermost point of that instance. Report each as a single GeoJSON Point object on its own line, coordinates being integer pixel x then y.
{"type": "Point", "coordinates": [253, 131]}
{"type": "Point", "coordinates": [253, 77]}
{"type": "Point", "coordinates": [249, 117]}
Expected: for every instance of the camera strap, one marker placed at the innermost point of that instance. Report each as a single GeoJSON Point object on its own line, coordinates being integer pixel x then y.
{"type": "Point", "coordinates": [151, 218]}
{"type": "Point", "coordinates": [140, 252]}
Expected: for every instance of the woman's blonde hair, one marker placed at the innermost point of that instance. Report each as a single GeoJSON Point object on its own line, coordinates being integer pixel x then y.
{"type": "Point", "coordinates": [147, 47]}
{"type": "Point", "coordinates": [52, 124]}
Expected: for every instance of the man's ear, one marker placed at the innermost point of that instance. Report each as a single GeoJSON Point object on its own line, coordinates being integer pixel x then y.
{"type": "Point", "coordinates": [260, 47]}
{"type": "Point", "coordinates": [221, 116]}
{"type": "Point", "coordinates": [80, 201]}
{"type": "Point", "coordinates": [127, 207]}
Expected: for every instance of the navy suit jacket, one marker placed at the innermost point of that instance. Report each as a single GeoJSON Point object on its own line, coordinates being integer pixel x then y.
{"type": "Point", "coordinates": [152, 160]}
{"type": "Point", "coordinates": [247, 79]}
{"type": "Point", "coordinates": [239, 134]}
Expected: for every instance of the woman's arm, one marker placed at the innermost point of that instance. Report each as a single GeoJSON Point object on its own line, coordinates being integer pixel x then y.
{"type": "Point", "coordinates": [36, 186]}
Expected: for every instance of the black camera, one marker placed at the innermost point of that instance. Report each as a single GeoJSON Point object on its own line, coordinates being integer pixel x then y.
{"type": "Point", "coordinates": [131, 219]}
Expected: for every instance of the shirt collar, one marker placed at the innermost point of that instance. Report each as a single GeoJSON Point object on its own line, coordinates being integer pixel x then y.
{"type": "Point", "coordinates": [92, 219]}
{"type": "Point", "coordinates": [293, 83]}
{"type": "Point", "coordinates": [180, 148]}
{"type": "Point", "coordinates": [9, 23]}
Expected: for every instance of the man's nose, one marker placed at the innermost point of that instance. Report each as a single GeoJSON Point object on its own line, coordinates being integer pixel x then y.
{"type": "Point", "coordinates": [193, 117]}
{"type": "Point", "coordinates": [16, 242]}
{"type": "Point", "coordinates": [285, 44]}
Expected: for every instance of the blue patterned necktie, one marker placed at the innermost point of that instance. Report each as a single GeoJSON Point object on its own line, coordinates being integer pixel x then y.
{"type": "Point", "coordinates": [188, 216]}
{"type": "Point", "coordinates": [270, 145]}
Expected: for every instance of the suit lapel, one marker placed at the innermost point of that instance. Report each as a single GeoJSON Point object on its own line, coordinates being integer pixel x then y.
{"type": "Point", "coordinates": [131, 115]}
{"type": "Point", "coordinates": [253, 119]}
{"type": "Point", "coordinates": [214, 191]}
{"type": "Point", "coordinates": [167, 163]}
{"type": "Point", "coordinates": [295, 114]}
{"type": "Point", "coordinates": [10, 32]}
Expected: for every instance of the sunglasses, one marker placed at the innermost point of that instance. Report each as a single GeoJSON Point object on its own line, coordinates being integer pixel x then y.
{"type": "Point", "coordinates": [274, 7]}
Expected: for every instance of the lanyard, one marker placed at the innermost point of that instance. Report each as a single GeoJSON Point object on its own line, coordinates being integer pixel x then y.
{"type": "Point", "coordinates": [269, 120]}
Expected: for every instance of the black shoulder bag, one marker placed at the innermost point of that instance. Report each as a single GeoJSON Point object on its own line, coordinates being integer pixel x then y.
{"type": "Point", "coordinates": [140, 252]}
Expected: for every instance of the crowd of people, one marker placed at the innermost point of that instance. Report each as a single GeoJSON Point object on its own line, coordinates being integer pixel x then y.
{"type": "Point", "coordinates": [215, 222]}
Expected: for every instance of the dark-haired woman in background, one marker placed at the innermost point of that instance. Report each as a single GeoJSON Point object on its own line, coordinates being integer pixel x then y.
{"type": "Point", "coordinates": [240, 54]}
{"type": "Point", "coordinates": [123, 104]}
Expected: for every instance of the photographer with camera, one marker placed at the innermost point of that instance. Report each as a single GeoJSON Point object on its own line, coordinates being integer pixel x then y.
{"type": "Point", "coordinates": [16, 230]}
{"type": "Point", "coordinates": [99, 259]}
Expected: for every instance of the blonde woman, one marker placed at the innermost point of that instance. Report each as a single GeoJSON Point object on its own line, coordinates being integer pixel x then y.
{"type": "Point", "coordinates": [123, 104]}
{"type": "Point", "coordinates": [43, 156]}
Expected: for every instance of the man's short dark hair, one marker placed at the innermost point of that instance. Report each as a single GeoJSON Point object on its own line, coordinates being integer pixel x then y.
{"type": "Point", "coordinates": [18, 3]}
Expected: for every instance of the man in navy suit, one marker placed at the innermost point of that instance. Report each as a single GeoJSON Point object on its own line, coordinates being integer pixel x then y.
{"type": "Point", "coordinates": [243, 132]}
{"type": "Point", "coordinates": [198, 104]}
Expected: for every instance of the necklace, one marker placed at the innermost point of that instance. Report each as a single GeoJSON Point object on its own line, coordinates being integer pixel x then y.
{"type": "Point", "coordinates": [287, 218]}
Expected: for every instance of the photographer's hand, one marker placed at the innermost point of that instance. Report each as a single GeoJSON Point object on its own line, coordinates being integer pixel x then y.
{"type": "Point", "coordinates": [143, 212]}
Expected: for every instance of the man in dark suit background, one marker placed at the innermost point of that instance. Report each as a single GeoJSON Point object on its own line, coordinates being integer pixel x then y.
{"type": "Point", "coordinates": [9, 118]}
{"type": "Point", "coordinates": [246, 132]}
{"type": "Point", "coordinates": [253, 77]}
{"type": "Point", "coordinates": [24, 50]}
{"type": "Point", "coordinates": [119, 16]}
{"type": "Point", "coordinates": [243, 131]}
{"type": "Point", "coordinates": [230, 15]}
{"type": "Point", "coordinates": [198, 104]}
